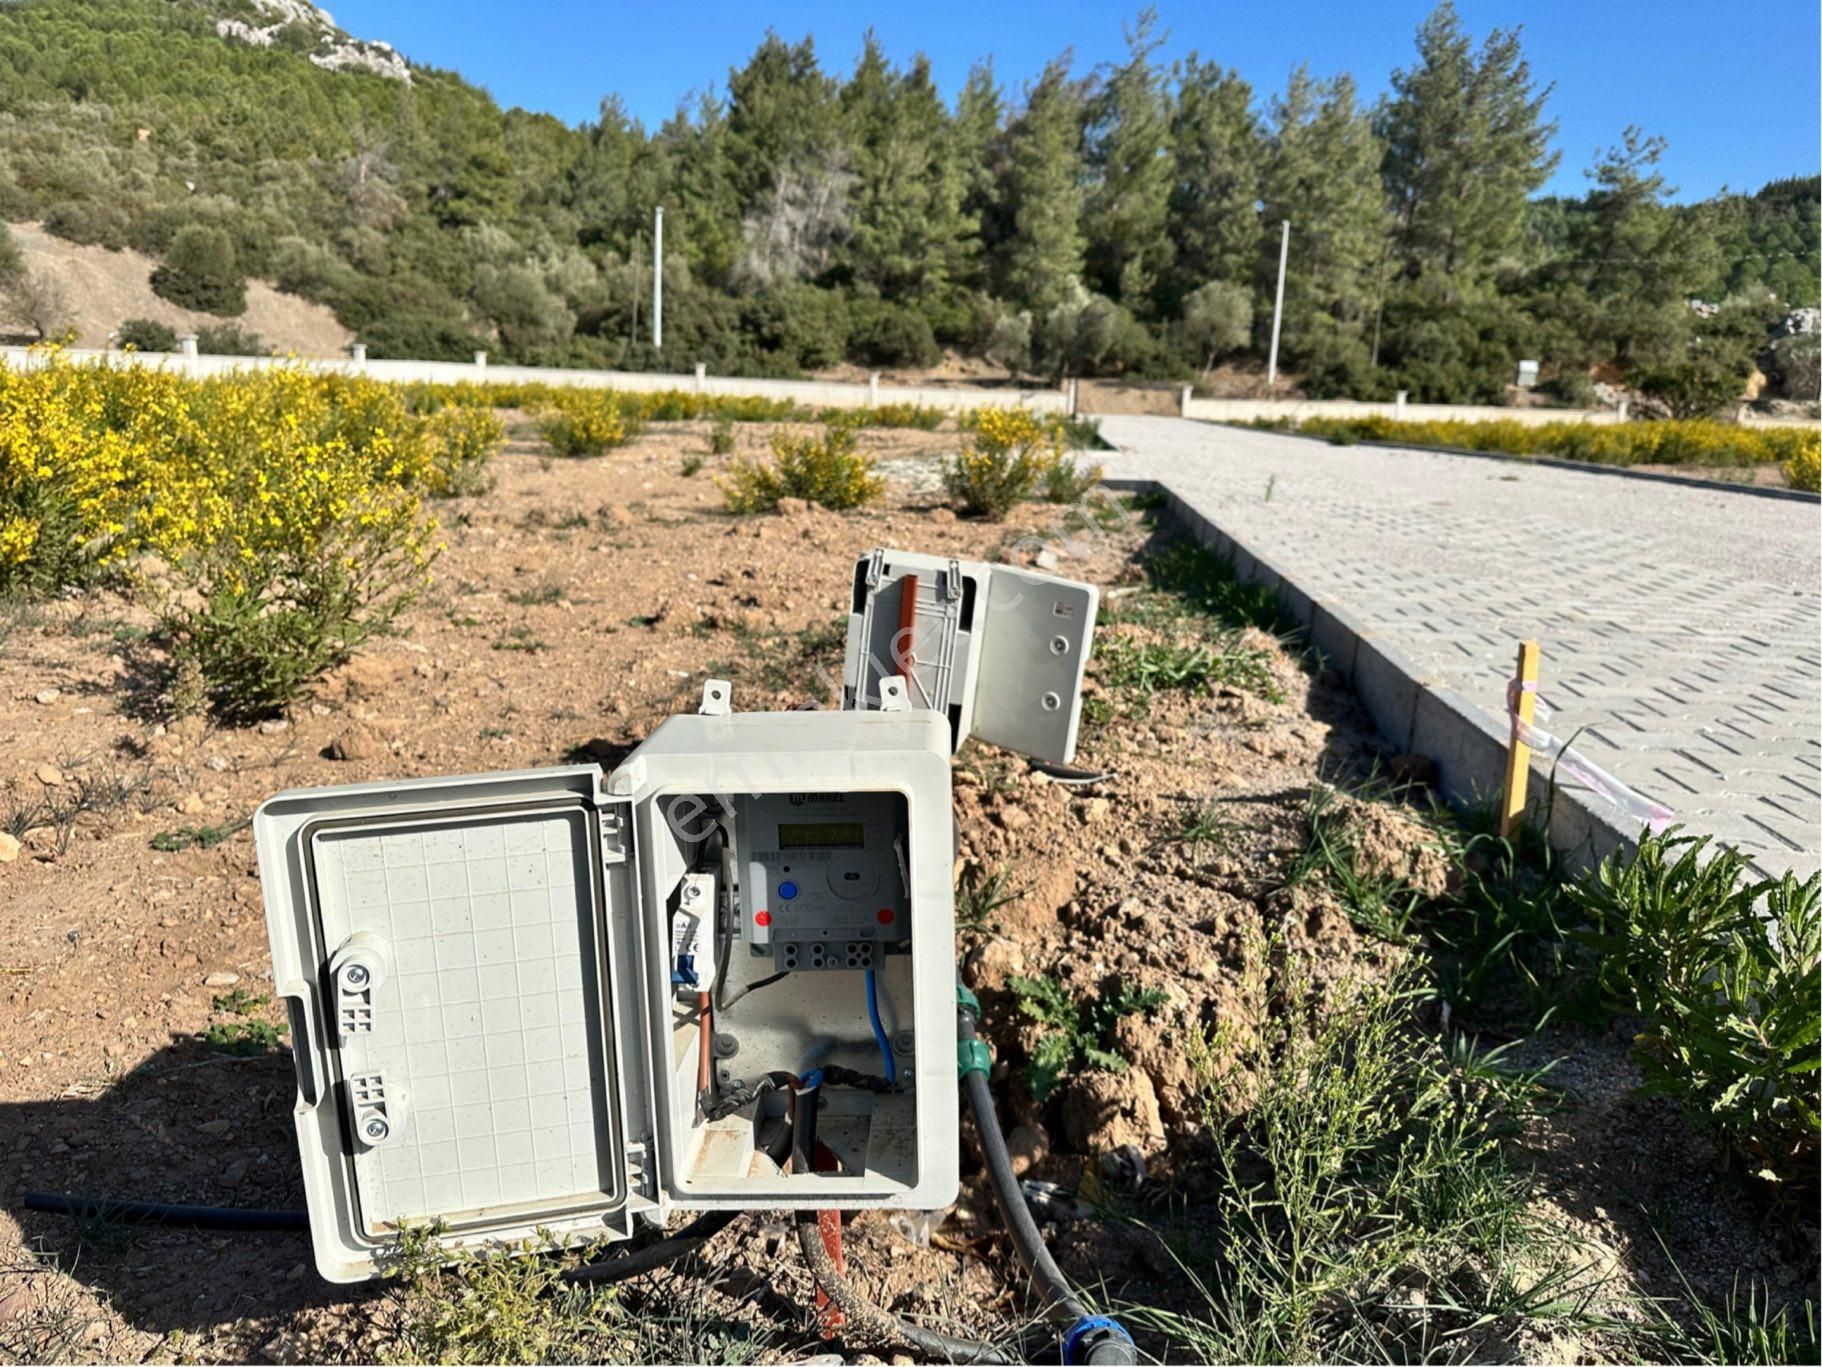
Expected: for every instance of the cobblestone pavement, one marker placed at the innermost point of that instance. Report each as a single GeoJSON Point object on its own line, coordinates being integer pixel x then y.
{"type": "Point", "coordinates": [1679, 625]}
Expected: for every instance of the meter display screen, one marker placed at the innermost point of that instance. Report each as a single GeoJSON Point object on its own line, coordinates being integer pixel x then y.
{"type": "Point", "coordinates": [821, 835]}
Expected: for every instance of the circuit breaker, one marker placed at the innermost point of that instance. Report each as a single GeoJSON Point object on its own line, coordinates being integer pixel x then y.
{"type": "Point", "coordinates": [999, 652]}
{"type": "Point", "coordinates": [570, 1001]}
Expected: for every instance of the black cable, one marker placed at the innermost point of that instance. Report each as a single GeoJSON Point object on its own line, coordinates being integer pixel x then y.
{"type": "Point", "coordinates": [863, 1314]}
{"type": "Point", "coordinates": [116, 1211]}
{"type": "Point", "coordinates": [721, 1006]}
{"type": "Point", "coordinates": [620, 1267]}
{"type": "Point", "coordinates": [1017, 1215]}
{"type": "Point", "coordinates": [1097, 1340]}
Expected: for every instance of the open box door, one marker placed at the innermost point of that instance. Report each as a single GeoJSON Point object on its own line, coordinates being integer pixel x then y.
{"type": "Point", "coordinates": [452, 951]}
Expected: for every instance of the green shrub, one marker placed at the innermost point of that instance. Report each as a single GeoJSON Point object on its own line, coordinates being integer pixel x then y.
{"type": "Point", "coordinates": [200, 271]}
{"type": "Point", "coordinates": [1730, 990]}
{"type": "Point", "coordinates": [1694, 388]}
{"type": "Point", "coordinates": [826, 470]}
{"type": "Point", "coordinates": [806, 326]}
{"type": "Point", "coordinates": [721, 437]}
{"type": "Point", "coordinates": [884, 334]}
{"type": "Point", "coordinates": [420, 337]}
{"type": "Point", "coordinates": [1066, 482]}
{"type": "Point", "coordinates": [145, 334]}
{"type": "Point", "coordinates": [1572, 388]}
{"type": "Point", "coordinates": [230, 339]}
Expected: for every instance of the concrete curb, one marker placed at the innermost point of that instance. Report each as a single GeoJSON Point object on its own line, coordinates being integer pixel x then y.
{"type": "Point", "coordinates": [1552, 462]}
{"type": "Point", "coordinates": [1413, 713]}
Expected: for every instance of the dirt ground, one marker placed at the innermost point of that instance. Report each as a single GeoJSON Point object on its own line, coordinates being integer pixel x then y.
{"type": "Point", "coordinates": [577, 605]}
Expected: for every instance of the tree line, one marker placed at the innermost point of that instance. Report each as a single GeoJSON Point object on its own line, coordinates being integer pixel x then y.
{"type": "Point", "coordinates": [1122, 221]}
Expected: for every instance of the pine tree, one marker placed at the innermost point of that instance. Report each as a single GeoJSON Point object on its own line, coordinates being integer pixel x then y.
{"type": "Point", "coordinates": [909, 231]}
{"type": "Point", "coordinates": [1322, 175]}
{"type": "Point", "coordinates": [1633, 263]}
{"type": "Point", "coordinates": [1042, 251]}
{"type": "Point", "coordinates": [1466, 145]}
{"type": "Point", "coordinates": [1130, 173]}
{"type": "Point", "coordinates": [1218, 148]}
{"type": "Point", "coordinates": [978, 149]}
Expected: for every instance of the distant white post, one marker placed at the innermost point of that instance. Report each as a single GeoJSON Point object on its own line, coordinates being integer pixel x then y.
{"type": "Point", "coordinates": [1284, 251]}
{"type": "Point", "coordinates": [658, 278]}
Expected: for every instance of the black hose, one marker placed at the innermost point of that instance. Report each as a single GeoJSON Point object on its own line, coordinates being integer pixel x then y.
{"type": "Point", "coordinates": [1011, 1200]}
{"type": "Point", "coordinates": [863, 1314]}
{"type": "Point", "coordinates": [116, 1211]}
{"type": "Point", "coordinates": [623, 1266]}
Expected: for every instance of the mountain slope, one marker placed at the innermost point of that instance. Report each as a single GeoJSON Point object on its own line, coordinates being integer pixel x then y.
{"type": "Point", "coordinates": [102, 289]}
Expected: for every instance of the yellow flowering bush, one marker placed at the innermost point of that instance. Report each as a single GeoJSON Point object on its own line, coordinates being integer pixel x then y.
{"type": "Point", "coordinates": [289, 507]}
{"type": "Point", "coordinates": [827, 470]}
{"type": "Point", "coordinates": [1804, 468]}
{"type": "Point", "coordinates": [586, 422]}
{"type": "Point", "coordinates": [1007, 454]}
{"type": "Point", "coordinates": [1670, 442]}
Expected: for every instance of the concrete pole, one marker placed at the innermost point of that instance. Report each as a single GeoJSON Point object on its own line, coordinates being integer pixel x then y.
{"type": "Point", "coordinates": [658, 278]}
{"type": "Point", "coordinates": [1284, 251]}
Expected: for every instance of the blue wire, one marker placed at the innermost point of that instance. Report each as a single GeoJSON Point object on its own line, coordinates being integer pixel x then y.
{"type": "Point", "coordinates": [879, 1029]}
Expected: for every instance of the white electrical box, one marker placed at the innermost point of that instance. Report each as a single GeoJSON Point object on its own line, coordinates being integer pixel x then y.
{"type": "Point", "coordinates": [497, 983]}
{"type": "Point", "coordinates": [998, 652]}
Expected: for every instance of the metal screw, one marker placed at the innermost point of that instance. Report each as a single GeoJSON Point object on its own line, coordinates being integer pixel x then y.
{"type": "Point", "coordinates": [355, 975]}
{"type": "Point", "coordinates": [1051, 702]}
{"type": "Point", "coordinates": [376, 1129]}
{"type": "Point", "coordinates": [1059, 645]}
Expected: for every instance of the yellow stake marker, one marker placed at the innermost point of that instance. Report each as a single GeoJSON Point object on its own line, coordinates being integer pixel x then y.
{"type": "Point", "coordinates": [1518, 754]}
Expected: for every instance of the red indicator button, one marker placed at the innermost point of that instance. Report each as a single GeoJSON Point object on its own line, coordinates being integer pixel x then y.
{"type": "Point", "coordinates": [886, 916]}
{"type": "Point", "coordinates": [762, 918]}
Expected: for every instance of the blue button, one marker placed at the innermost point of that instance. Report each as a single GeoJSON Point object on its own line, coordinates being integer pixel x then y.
{"type": "Point", "coordinates": [786, 891]}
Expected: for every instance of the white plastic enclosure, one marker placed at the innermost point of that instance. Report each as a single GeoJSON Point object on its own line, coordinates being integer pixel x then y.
{"type": "Point", "coordinates": [495, 982]}
{"type": "Point", "coordinates": [998, 651]}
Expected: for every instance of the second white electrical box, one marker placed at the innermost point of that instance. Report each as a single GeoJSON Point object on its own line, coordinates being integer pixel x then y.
{"type": "Point", "coordinates": [998, 651]}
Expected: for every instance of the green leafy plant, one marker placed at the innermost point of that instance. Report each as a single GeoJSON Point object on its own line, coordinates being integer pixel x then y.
{"type": "Point", "coordinates": [1076, 1032]}
{"type": "Point", "coordinates": [827, 470]}
{"type": "Point", "coordinates": [1727, 973]}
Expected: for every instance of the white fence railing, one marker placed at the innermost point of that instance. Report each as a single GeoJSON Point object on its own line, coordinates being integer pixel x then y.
{"type": "Point", "coordinates": [810, 393]}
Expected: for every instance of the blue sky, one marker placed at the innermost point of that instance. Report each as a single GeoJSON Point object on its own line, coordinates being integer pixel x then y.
{"type": "Point", "coordinates": [1734, 89]}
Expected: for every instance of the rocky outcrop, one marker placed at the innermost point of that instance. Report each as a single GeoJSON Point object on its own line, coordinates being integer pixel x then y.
{"type": "Point", "coordinates": [334, 50]}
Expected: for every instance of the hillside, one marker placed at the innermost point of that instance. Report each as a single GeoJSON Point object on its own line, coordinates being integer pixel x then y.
{"type": "Point", "coordinates": [1118, 223]}
{"type": "Point", "coordinates": [103, 288]}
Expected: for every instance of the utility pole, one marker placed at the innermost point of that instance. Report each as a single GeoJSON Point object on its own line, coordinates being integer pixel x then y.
{"type": "Point", "coordinates": [658, 278]}
{"type": "Point", "coordinates": [1284, 251]}
{"type": "Point", "coordinates": [1379, 310]}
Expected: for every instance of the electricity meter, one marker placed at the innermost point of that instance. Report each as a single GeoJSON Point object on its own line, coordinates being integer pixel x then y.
{"type": "Point", "coordinates": [998, 651]}
{"type": "Point", "coordinates": [566, 1001]}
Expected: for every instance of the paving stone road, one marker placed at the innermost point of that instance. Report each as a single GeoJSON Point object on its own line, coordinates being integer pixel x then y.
{"type": "Point", "coordinates": [1679, 625]}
